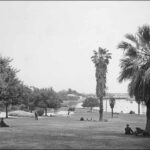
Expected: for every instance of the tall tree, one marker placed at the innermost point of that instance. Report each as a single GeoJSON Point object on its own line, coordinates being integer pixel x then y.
{"type": "Point", "coordinates": [90, 102]}
{"type": "Point", "coordinates": [101, 60]}
{"type": "Point", "coordinates": [9, 84]}
{"type": "Point", "coordinates": [135, 67]}
{"type": "Point", "coordinates": [49, 99]}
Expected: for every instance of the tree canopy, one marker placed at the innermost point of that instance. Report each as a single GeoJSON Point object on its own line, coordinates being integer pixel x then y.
{"type": "Point", "coordinates": [9, 83]}
{"type": "Point", "coordinates": [90, 102]}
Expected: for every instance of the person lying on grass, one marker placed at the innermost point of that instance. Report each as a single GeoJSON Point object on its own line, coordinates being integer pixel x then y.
{"type": "Point", "coordinates": [2, 123]}
{"type": "Point", "coordinates": [128, 130]}
{"type": "Point", "coordinates": [140, 131]}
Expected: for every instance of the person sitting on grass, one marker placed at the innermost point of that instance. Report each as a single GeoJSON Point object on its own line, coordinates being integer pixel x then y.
{"type": "Point", "coordinates": [128, 130]}
{"type": "Point", "coordinates": [2, 123]}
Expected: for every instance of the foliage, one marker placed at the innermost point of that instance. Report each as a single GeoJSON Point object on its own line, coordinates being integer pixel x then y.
{"type": "Point", "coordinates": [90, 102]}
{"type": "Point", "coordinates": [14, 107]}
{"type": "Point", "coordinates": [71, 109]}
{"type": "Point", "coordinates": [47, 98]}
{"type": "Point", "coordinates": [22, 107]}
{"type": "Point", "coordinates": [101, 60]}
{"type": "Point", "coordinates": [40, 112]}
{"type": "Point", "coordinates": [135, 66]}
{"type": "Point", "coordinates": [27, 97]}
{"type": "Point", "coordinates": [66, 94]}
{"type": "Point", "coordinates": [9, 83]}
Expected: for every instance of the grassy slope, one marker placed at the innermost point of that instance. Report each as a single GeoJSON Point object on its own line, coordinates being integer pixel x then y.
{"type": "Point", "coordinates": [69, 132]}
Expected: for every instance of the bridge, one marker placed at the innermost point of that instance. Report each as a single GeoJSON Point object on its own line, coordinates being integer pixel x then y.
{"type": "Point", "coordinates": [124, 96]}
{"type": "Point", "coordinates": [118, 96]}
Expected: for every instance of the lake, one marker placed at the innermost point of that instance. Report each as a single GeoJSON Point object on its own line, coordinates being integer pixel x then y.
{"type": "Point", "coordinates": [121, 106]}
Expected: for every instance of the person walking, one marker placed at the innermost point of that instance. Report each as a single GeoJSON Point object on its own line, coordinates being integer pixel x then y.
{"type": "Point", "coordinates": [36, 115]}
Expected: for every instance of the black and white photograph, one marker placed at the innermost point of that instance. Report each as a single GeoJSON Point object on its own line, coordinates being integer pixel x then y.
{"type": "Point", "coordinates": [74, 74]}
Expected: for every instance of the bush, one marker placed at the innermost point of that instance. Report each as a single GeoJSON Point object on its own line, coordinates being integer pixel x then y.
{"type": "Point", "coordinates": [22, 107]}
{"type": "Point", "coordinates": [14, 107]}
{"type": "Point", "coordinates": [71, 109]}
{"type": "Point", "coordinates": [131, 112]}
{"type": "Point", "coordinates": [40, 112]}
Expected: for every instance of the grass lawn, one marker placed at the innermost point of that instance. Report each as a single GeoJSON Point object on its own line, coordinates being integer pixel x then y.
{"type": "Point", "coordinates": [68, 132]}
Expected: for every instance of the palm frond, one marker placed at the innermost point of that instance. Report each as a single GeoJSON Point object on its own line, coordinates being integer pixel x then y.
{"type": "Point", "coordinates": [123, 45]}
{"type": "Point", "coordinates": [135, 87]}
{"type": "Point", "coordinates": [131, 52]}
{"type": "Point", "coordinates": [147, 76]}
{"type": "Point", "coordinates": [132, 38]}
{"type": "Point", "coordinates": [144, 33]}
{"type": "Point", "coordinates": [131, 89]}
{"type": "Point", "coordinates": [129, 67]}
{"type": "Point", "coordinates": [135, 65]}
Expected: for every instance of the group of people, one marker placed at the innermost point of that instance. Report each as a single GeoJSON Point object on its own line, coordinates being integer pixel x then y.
{"type": "Point", "coordinates": [138, 131]}
{"type": "Point", "coordinates": [128, 130]}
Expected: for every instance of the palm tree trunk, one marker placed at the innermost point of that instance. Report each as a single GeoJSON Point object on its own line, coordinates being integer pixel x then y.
{"type": "Point", "coordinates": [138, 108]}
{"type": "Point", "coordinates": [6, 106]}
{"type": "Point", "coordinates": [112, 112]}
{"type": "Point", "coordinates": [147, 129]}
{"type": "Point", "coordinates": [101, 109]}
{"type": "Point", "coordinates": [106, 105]}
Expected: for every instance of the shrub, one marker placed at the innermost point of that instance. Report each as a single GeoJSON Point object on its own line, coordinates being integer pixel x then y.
{"type": "Point", "coordinates": [14, 107]}
{"type": "Point", "coordinates": [71, 109]}
{"type": "Point", "coordinates": [40, 112]}
{"type": "Point", "coordinates": [22, 107]}
{"type": "Point", "coordinates": [131, 112]}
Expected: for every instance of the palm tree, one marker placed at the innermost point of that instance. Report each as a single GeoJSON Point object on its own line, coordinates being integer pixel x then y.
{"type": "Point", "coordinates": [101, 60]}
{"type": "Point", "coordinates": [135, 67]}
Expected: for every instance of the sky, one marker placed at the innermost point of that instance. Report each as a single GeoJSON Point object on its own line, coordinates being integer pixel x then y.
{"type": "Point", "coordinates": [51, 42]}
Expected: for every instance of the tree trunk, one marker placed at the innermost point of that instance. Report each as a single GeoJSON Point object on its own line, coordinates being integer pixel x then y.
{"type": "Point", "coordinates": [91, 109]}
{"type": "Point", "coordinates": [28, 106]}
{"type": "Point", "coordinates": [106, 105]}
{"type": "Point", "coordinates": [147, 129]}
{"type": "Point", "coordinates": [138, 108]}
{"type": "Point", "coordinates": [101, 109]}
{"type": "Point", "coordinates": [45, 111]}
{"type": "Point", "coordinates": [6, 106]}
{"type": "Point", "coordinates": [30, 109]}
{"type": "Point", "coordinates": [112, 112]}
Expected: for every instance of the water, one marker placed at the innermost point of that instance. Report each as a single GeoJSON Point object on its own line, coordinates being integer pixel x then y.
{"type": "Point", "coordinates": [121, 106]}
